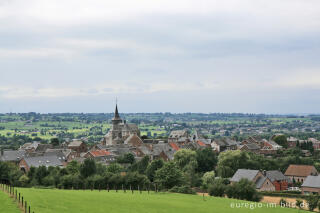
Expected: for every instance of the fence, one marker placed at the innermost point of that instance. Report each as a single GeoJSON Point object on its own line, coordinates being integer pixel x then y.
{"type": "Point", "coordinates": [13, 193]}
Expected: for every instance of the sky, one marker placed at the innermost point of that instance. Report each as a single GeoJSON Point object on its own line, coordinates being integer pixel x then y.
{"type": "Point", "coordinates": [250, 56]}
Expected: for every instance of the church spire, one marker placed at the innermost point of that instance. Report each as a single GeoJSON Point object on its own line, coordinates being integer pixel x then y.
{"type": "Point", "coordinates": [116, 113]}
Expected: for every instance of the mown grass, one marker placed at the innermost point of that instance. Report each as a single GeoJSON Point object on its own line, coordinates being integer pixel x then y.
{"type": "Point", "coordinates": [8, 205]}
{"type": "Point", "coordinates": [73, 201]}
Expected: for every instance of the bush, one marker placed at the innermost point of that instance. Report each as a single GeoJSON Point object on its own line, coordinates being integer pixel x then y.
{"type": "Point", "coordinates": [217, 189]}
{"type": "Point", "coordinates": [182, 189]}
{"type": "Point", "coordinates": [23, 180]}
{"type": "Point", "coordinates": [283, 202]}
{"type": "Point", "coordinates": [312, 202]}
{"type": "Point", "coordinates": [299, 203]}
{"type": "Point", "coordinates": [48, 181]}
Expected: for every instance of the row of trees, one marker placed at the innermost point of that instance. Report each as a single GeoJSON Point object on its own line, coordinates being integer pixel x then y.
{"type": "Point", "coordinates": [185, 171]}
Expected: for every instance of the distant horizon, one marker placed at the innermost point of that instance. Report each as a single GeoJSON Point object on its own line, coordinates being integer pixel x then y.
{"type": "Point", "coordinates": [243, 113]}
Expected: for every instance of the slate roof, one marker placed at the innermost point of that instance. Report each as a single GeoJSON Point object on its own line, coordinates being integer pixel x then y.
{"type": "Point", "coordinates": [252, 146]}
{"type": "Point", "coordinates": [12, 155]}
{"type": "Point", "coordinates": [275, 175]}
{"type": "Point", "coordinates": [244, 173]}
{"type": "Point", "coordinates": [225, 142]}
{"type": "Point", "coordinates": [177, 133]}
{"type": "Point", "coordinates": [145, 150]}
{"type": "Point", "coordinates": [312, 181]}
{"type": "Point", "coordinates": [75, 143]}
{"type": "Point", "coordinates": [43, 161]}
{"type": "Point", "coordinates": [43, 147]}
{"type": "Point", "coordinates": [260, 181]}
{"type": "Point", "coordinates": [299, 170]}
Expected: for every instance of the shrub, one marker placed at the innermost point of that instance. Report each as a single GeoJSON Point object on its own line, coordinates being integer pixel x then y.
{"type": "Point", "coordinates": [312, 202]}
{"type": "Point", "coordinates": [299, 203]}
{"type": "Point", "coordinates": [23, 180]}
{"type": "Point", "coordinates": [283, 202]}
{"type": "Point", "coordinates": [217, 189]}
{"type": "Point", "coordinates": [48, 181]}
{"type": "Point", "coordinates": [182, 189]}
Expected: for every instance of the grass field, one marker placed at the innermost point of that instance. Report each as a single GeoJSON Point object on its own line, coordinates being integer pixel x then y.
{"type": "Point", "coordinates": [7, 205]}
{"type": "Point", "coordinates": [72, 201]}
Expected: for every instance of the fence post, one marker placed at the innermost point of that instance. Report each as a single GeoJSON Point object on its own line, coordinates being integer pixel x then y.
{"type": "Point", "coordinates": [25, 207]}
{"type": "Point", "coordinates": [19, 197]}
{"type": "Point", "coordinates": [29, 209]}
{"type": "Point", "coordinates": [22, 201]}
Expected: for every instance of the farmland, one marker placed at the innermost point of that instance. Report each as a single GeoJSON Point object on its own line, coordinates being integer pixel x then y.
{"type": "Point", "coordinates": [73, 201]}
{"type": "Point", "coordinates": [19, 128]}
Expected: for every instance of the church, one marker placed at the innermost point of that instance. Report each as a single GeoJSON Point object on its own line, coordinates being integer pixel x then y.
{"type": "Point", "coordinates": [119, 131]}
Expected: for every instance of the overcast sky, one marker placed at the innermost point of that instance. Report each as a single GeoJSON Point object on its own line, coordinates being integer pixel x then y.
{"type": "Point", "coordinates": [256, 56]}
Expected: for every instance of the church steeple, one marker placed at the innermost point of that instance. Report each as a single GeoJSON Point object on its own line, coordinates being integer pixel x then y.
{"type": "Point", "coordinates": [116, 113]}
{"type": "Point", "coordinates": [116, 119]}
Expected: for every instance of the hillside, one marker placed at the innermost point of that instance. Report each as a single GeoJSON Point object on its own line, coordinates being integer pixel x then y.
{"type": "Point", "coordinates": [72, 201]}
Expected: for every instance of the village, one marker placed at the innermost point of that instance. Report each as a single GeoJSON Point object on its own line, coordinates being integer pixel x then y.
{"type": "Point", "coordinates": [124, 138]}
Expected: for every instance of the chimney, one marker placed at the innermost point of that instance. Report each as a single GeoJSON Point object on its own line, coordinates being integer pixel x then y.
{"type": "Point", "coordinates": [264, 172]}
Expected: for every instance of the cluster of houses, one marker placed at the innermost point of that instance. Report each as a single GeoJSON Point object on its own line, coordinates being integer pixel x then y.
{"type": "Point", "coordinates": [125, 138]}
{"type": "Point", "coordinates": [275, 180]}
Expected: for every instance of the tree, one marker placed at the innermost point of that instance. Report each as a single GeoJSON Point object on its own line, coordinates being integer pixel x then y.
{"type": "Point", "coordinates": [206, 160]}
{"type": "Point", "coordinates": [169, 175]}
{"type": "Point", "coordinates": [41, 172]}
{"type": "Point", "coordinates": [88, 168]}
{"type": "Point", "coordinates": [153, 167]}
{"type": "Point", "coordinates": [55, 142]}
{"type": "Point", "coordinates": [281, 140]}
{"type": "Point", "coordinates": [186, 158]}
{"type": "Point", "coordinates": [230, 161]}
{"type": "Point", "coordinates": [187, 161]}
{"type": "Point", "coordinates": [142, 165]}
{"type": "Point", "coordinates": [114, 168]}
{"type": "Point", "coordinates": [135, 179]}
{"type": "Point", "coordinates": [208, 179]}
{"type": "Point", "coordinates": [73, 167]}
{"type": "Point", "coordinates": [244, 190]}
{"type": "Point", "coordinates": [126, 158]}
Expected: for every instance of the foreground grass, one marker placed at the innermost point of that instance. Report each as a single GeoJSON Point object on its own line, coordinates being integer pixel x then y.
{"type": "Point", "coordinates": [8, 205]}
{"type": "Point", "coordinates": [73, 201]}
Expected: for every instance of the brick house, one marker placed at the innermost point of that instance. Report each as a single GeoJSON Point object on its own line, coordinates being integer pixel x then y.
{"type": "Point", "coordinates": [278, 179]}
{"type": "Point", "coordinates": [299, 173]}
{"type": "Point", "coordinates": [78, 146]}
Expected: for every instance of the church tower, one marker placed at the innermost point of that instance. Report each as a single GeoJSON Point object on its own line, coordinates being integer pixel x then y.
{"type": "Point", "coordinates": [116, 119]}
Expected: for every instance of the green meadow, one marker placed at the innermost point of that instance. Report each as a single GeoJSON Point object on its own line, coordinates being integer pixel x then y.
{"type": "Point", "coordinates": [7, 205]}
{"type": "Point", "coordinates": [79, 201]}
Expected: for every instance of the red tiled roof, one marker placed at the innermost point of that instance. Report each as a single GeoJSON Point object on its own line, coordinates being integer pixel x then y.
{"type": "Point", "coordinates": [201, 143]}
{"type": "Point", "coordinates": [99, 153]}
{"type": "Point", "coordinates": [174, 146]}
{"type": "Point", "coordinates": [299, 170]}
